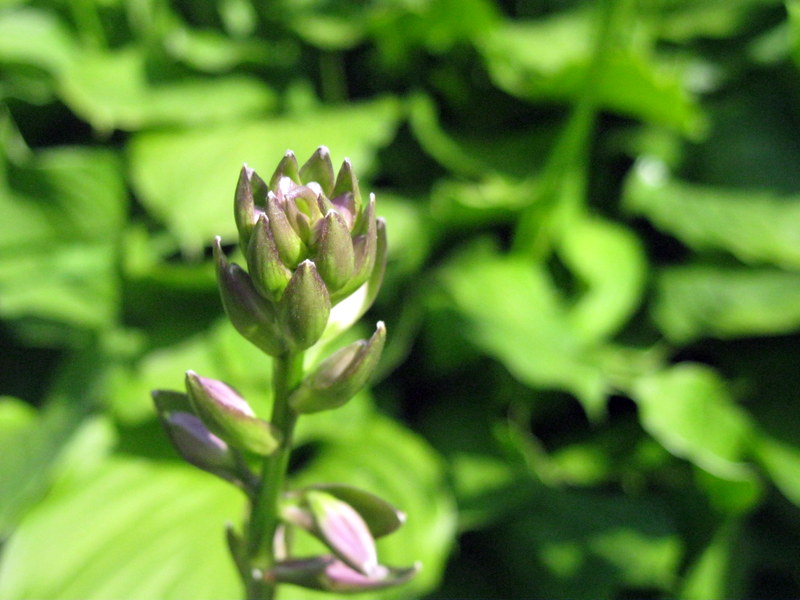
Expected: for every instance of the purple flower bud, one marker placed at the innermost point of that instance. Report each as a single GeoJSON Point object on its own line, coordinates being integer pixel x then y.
{"type": "Point", "coordinates": [343, 530]}
{"type": "Point", "coordinates": [228, 415]}
{"type": "Point", "coordinates": [332, 575]}
{"type": "Point", "coordinates": [251, 314]}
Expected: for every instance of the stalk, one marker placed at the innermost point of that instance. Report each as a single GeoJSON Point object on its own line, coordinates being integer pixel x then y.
{"type": "Point", "coordinates": [287, 372]}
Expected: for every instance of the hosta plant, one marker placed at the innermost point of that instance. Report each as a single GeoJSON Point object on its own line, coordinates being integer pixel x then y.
{"type": "Point", "coordinates": [315, 254]}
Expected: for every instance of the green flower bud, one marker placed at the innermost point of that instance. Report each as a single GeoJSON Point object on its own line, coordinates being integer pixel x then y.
{"type": "Point", "coordinates": [340, 376]}
{"type": "Point", "coordinates": [268, 273]}
{"type": "Point", "coordinates": [346, 193]}
{"type": "Point", "coordinates": [290, 245]}
{"type": "Point", "coordinates": [347, 312]}
{"type": "Point", "coordinates": [365, 247]}
{"type": "Point", "coordinates": [288, 168]}
{"type": "Point", "coordinates": [251, 191]}
{"type": "Point", "coordinates": [334, 253]}
{"type": "Point", "coordinates": [304, 307]}
{"type": "Point", "coordinates": [229, 416]}
{"type": "Point", "coordinates": [319, 168]}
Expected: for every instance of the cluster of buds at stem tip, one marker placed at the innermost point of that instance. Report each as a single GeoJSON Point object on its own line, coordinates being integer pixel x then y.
{"type": "Point", "coordinates": [311, 242]}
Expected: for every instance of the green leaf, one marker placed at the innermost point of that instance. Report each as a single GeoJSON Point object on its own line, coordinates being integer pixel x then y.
{"type": "Point", "coordinates": [35, 37]}
{"type": "Point", "coordinates": [548, 59]}
{"type": "Point", "coordinates": [714, 573]}
{"type": "Point", "coordinates": [130, 529]}
{"type": "Point", "coordinates": [609, 260]}
{"type": "Point", "coordinates": [63, 214]}
{"type": "Point", "coordinates": [688, 409]}
{"type": "Point", "coordinates": [512, 311]}
{"type": "Point", "coordinates": [699, 301]}
{"type": "Point", "coordinates": [187, 178]}
{"type": "Point", "coordinates": [755, 226]}
{"type": "Point", "coordinates": [781, 460]}
{"type": "Point", "coordinates": [112, 91]}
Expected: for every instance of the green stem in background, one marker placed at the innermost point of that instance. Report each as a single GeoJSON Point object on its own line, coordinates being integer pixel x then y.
{"type": "Point", "coordinates": [287, 372]}
{"type": "Point", "coordinates": [563, 181]}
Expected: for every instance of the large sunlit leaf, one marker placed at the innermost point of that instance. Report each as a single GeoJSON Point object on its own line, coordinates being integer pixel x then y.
{"type": "Point", "coordinates": [755, 226]}
{"type": "Point", "coordinates": [186, 178]}
{"type": "Point", "coordinates": [708, 301]}
{"type": "Point", "coordinates": [512, 311]}
{"type": "Point", "coordinates": [689, 410]}
{"type": "Point", "coordinates": [129, 529]}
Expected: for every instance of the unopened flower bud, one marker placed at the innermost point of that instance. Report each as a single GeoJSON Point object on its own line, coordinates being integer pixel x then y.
{"type": "Point", "coordinates": [250, 313]}
{"type": "Point", "coordinates": [334, 254]}
{"type": "Point", "coordinates": [340, 376]}
{"type": "Point", "coordinates": [193, 440]}
{"type": "Point", "coordinates": [304, 307]}
{"type": "Point", "coordinates": [343, 530]}
{"type": "Point", "coordinates": [319, 168]}
{"type": "Point", "coordinates": [380, 516]}
{"type": "Point", "coordinates": [290, 245]}
{"type": "Point", "coordinates": [331, 575]}
{"type": "Point", "coordinates": [228, 415]}
{"type": "Point", "coordinates": [268, 273]}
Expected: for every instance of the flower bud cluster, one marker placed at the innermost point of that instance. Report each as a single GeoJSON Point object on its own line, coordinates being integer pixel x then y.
{"type": "Point", "coordinates": [310, 241]}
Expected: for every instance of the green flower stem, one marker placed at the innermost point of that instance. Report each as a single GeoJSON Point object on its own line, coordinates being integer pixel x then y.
{"type": "Point", "coordinates": [287, 374]}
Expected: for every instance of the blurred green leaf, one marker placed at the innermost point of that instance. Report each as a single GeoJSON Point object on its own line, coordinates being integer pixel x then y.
{"type": "Point", "coordinates": [588, 545]}
{"type": "Point", "coordinates": [689, 410]}
{"type": "Point", "coordinates": [608, 259]}
{"type": "Point", "coordinates": [513, 312]}
{"type": "Point", "coordinates": [111, 91]}
{"type": "Point", "coordinates": [35, 37]}
{"type": "Point", "coordinates": [754, 226]}
{"type": "Point", "coordinates": [548, 59]}
{"type": "Point", "coordinates": [129, 529]}
{"type": "Point", "coordinates": [781, 459]}
{"type": "Point", "coordinates": [31, 450]}
{"type": "Point", "coordinates": [702, 300]}
{"type": "Point", "coordinates": [713, 574]}
{"type": "Point", "coordinates": [793, 10]}
{"type": "Point", "coordinates": [187, 178]}
{"type": "Point", "coordinates": [64, 209]}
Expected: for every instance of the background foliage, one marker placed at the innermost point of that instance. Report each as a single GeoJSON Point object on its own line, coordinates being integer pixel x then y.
{"type": "Point", "coordinates": [593, 298]}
